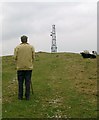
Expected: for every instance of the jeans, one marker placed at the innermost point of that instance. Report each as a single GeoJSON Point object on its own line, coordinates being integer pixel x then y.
{"type": "Point", "coordinates": [24, 75]}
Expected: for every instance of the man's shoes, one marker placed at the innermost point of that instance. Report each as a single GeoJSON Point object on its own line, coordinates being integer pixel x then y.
{"type": "Point", "coordinates": [20, 98]}
{"type": "Point", "coordinates": [27, 98]}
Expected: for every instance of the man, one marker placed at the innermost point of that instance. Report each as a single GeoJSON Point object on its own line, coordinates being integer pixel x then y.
{"type": "Point", "coordinates": [24, 55]}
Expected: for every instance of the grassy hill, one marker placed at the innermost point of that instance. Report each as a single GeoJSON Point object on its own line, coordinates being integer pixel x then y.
{"type": "Point", "coordinates": [65, 86]}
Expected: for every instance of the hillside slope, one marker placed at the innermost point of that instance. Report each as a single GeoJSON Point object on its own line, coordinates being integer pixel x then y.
{"type": "Point", "coordinates": [65, 86]}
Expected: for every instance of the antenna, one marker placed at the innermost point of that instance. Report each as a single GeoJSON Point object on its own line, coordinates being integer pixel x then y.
{"type": "Point", "coordinates": [53, 34]}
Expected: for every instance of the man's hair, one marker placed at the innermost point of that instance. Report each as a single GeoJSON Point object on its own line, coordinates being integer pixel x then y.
{"type": "Point", "coordinates": [24, 39]}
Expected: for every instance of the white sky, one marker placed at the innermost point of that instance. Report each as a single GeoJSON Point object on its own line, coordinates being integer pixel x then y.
{"type": "Point", "coordinates": [76, 25]}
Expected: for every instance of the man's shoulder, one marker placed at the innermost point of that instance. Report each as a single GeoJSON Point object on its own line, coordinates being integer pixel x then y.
{"type": "Point", "coordinates": [31, 45]}
{"type": "Point", "coordinates": [17, 46]}
{"type": "Point", "coordinates": [22, 45]}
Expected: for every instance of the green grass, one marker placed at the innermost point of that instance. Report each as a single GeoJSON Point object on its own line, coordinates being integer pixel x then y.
{"type": "Point", "coordinates": [65, 86]}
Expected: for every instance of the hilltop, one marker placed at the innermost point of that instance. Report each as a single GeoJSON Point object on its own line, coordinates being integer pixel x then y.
{"type": "Point", "coordinates": [65, 86]}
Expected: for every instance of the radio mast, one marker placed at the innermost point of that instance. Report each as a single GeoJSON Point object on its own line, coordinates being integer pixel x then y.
{"type": "Point", "coordinates": [53, 34]}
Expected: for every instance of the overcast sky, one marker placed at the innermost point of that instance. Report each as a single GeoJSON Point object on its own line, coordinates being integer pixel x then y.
{"type": "Point", "coordinates": [76, 25]}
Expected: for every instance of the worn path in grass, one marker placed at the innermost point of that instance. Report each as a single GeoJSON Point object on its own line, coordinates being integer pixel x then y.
{"type": "Point", "coordinates": [65, 86]}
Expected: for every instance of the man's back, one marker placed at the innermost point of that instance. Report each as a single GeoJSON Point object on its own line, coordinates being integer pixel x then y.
{"type": "Point", "coordinates": [24, 55]}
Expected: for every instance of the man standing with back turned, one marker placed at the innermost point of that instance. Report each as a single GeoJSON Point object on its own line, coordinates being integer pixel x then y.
{"type": "Point", "coordinates": [24, 55]}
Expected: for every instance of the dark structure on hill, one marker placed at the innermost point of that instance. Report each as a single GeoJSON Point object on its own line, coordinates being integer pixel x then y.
{"type": "Point", "coordinates": [86, 54]}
